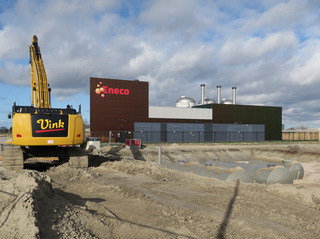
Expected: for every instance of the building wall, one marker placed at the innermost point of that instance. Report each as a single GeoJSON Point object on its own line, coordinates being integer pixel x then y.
{"type": "Point", "coordinates": [270, 116]}
{"type": "Point", "coordinates": [198, 132]}
{"type": "Point", "coordinates": [116, 111]}
{"type": "Point", "coordinates": [179, 113]}
{"type": "Point", "coordinates": [128, 102]}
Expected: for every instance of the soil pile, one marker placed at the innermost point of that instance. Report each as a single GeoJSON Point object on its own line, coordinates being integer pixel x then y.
{"type": "Point", "coordinates": [21, 201]}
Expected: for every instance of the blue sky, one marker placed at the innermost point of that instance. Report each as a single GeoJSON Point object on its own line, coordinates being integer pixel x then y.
{"type": "Point", "coordinates": [268, 49]}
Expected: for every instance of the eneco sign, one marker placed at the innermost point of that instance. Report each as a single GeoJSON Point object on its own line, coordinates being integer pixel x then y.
{"type": "Point", "coordinates": [103, 90]}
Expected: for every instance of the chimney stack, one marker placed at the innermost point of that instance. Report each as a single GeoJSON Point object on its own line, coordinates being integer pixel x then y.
{"type": "Point", "coordinates": [219, 94]}
{"type": "Point", "coordinates": [202, 93]}
{"type": "Point", "coordinates": [234, 94]}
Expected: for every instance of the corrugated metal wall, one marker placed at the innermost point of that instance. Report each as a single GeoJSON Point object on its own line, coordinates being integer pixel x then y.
{"type": "Point", "coordinates": [189, 132]}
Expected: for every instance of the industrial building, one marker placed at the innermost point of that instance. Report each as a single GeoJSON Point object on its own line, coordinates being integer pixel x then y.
{"type": "Point", "coordinates": [122, 107]}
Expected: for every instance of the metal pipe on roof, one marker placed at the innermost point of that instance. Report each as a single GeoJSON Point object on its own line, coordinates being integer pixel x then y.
{"type": "Point", "coordinates": [202, 93]}
{"type": "Point", "coordinates": [234, 93]}
{"type": "Point", "coordinates": [219, 94]}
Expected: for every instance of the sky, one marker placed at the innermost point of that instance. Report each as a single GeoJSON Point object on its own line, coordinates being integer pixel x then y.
{"type": "Point", "coordinates": [268, 49]}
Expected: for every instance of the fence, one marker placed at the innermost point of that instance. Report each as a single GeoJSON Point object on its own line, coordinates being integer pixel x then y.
{"type": "Point", "coordinates": [300, 135]}
{"type": "Point", "coordinates": [179, 136]}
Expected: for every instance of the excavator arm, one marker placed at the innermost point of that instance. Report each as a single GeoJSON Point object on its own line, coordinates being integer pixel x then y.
{"type": "Point", "coordinates": [39, 83]}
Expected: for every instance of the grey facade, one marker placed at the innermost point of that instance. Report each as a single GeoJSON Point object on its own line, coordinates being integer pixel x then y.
{"type": "Point", "coordinates": [198, 132]}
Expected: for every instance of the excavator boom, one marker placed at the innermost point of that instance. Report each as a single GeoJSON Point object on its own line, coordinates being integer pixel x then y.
{"type": "Point", "coordinates": [39, 83]}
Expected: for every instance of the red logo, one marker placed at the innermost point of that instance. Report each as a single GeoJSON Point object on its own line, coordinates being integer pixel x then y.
{"type": "Point", "coordinates": [103, 90]}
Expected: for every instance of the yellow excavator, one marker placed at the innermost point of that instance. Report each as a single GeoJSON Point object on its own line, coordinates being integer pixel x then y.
{"type": "Point", "coordinates": [39, 131]}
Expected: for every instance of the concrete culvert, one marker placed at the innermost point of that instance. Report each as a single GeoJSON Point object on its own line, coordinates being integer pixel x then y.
{"type": "Point", "coordinates": [296, 169]}
{"type": "Point", "coordinates": [228, 174]}
{"type": "Point", "coordinates": [270, 175]}
{"type": "Point", "coordinates": [260, 173]}
{"type": "Point", "coordinates": [222, 173]}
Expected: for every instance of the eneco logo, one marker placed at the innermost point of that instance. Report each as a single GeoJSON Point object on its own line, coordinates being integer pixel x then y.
{"type": "Point", "coordinates": [103, 90]}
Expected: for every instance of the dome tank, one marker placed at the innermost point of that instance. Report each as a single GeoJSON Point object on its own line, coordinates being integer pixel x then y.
{"type": "Point", "coordinates": [185, 102]}
{"type": "Point", "coordinates": [226, 102]}
{"type": "Point", "coordinates": [207, 101]}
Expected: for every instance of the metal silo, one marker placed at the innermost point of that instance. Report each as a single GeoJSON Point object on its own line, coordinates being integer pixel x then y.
{"type": "Point", "coordinates": [185, 102]}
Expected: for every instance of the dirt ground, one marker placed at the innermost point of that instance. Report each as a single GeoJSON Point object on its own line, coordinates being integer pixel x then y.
{"type": "Point", "coordinates": [126, 194]}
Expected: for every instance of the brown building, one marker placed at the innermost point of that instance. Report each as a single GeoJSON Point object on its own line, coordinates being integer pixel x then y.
{"type": "Point", "coordinates": [123, 105]}
{"type": "Point", "coordinates": [117, 104]}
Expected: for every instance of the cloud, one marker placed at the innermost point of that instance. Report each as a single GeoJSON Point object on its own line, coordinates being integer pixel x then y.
{"type": "Point", "coordinates": [268, 49]}
{"type": "Point", "coordinates": [16, 74]}
{"type": "Point", "coordinates": [282, 15]}
{"type": "Point", "coordinates": [306, 70]}
{"type": "Point", "coordinates": [244, 51]}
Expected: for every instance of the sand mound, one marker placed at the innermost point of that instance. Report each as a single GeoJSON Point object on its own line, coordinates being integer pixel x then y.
{"type": "Point", "coordinates": [20, 205]}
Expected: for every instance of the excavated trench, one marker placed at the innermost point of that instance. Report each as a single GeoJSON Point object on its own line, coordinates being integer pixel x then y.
{"type": "Point", "coordinates": [275, 162]}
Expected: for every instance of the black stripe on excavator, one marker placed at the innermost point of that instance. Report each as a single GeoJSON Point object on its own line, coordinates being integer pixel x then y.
{"type": "Point", "coordinates": [49, 111]}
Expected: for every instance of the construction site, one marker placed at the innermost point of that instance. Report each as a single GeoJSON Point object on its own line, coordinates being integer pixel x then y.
{"type": "Point", "coordinates": [212, 169]}
{"type": "Point", "coordinates": [126, 193]}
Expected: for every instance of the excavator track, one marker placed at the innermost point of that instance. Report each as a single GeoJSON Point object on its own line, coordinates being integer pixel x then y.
{"type": "Point", "coordinates": [13, 157]}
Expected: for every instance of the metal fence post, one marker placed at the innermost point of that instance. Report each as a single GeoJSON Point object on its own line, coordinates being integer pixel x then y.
{"type": "Point", "coordinates": [159, 155]}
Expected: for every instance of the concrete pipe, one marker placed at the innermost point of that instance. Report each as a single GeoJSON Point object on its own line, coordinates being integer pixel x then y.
{"type": "Point", "coordinates": [296, 169]}
{"type": "Point", "coordinates": [270, 175]}
{"type": "Point", "coordinates": [222, 173]}
{"type": "Point", "coordinates": [260, 173]}
{"type": "Point", "coordinates": [227, 174]}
